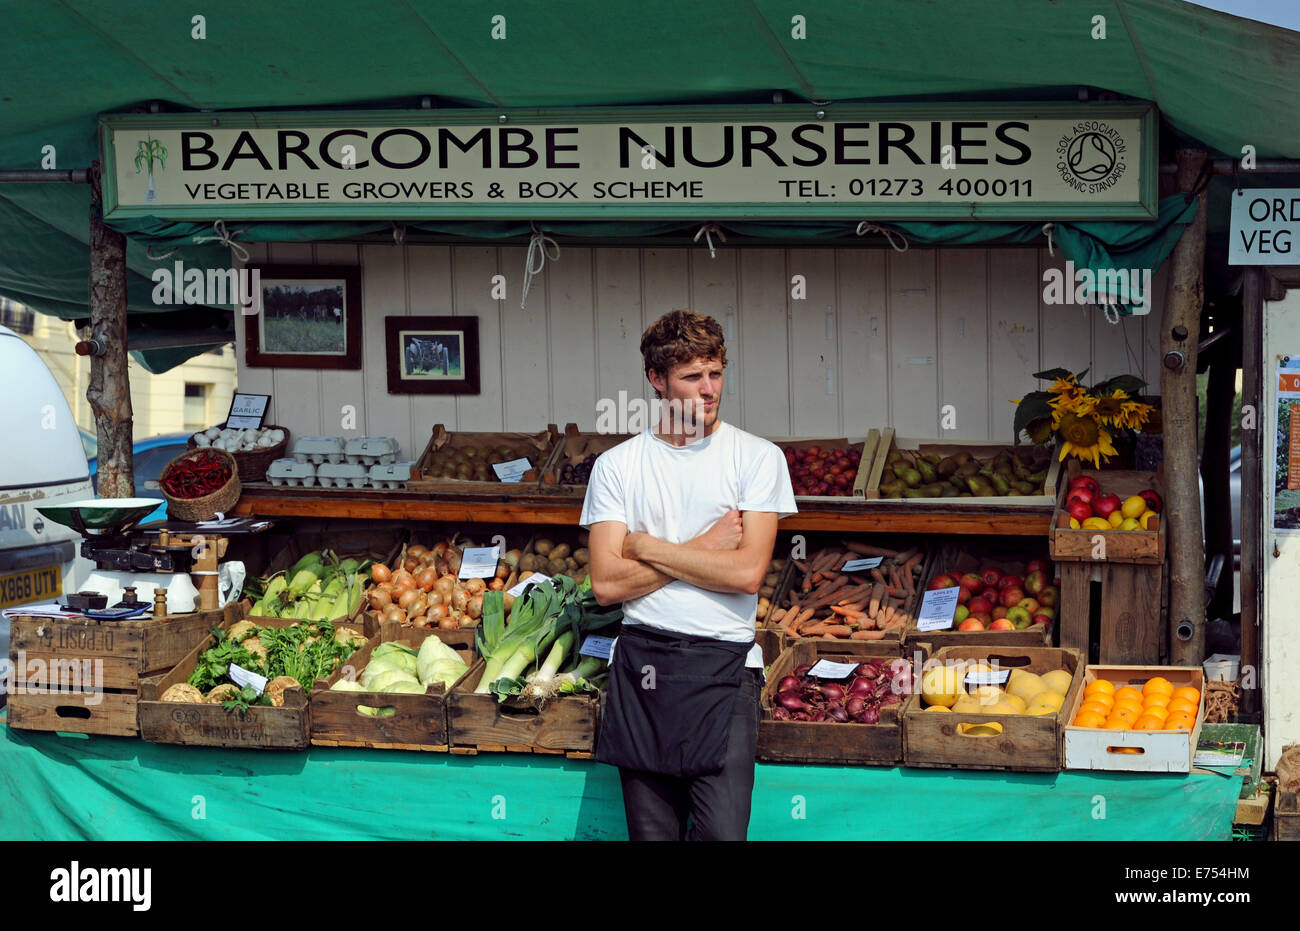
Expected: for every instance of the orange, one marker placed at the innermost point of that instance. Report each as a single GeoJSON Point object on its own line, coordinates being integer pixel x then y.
{"type": "Point", "coordinates": [1115, 723]}
{"type": "Point", "coordinates": [1099, 685]}
{"type": "Point", "coordinates": [1158, 685]}
{"type": "Point", "coordinates": [1175, 721]}
{"type": "Point", "coordinates": [1101, 698]}
{"type": "Point", "coordinates": [1088, 719]}
{"type": "Point", "coordinates": [1179, 704]}
{"type": "Point", "coordinates": [1155, 701]}
{"type": "Point", "coordinates": [1155, 711]}
{"type": "Point", "coordinates": [1126, 713]}
{"type": "Point", "coordinates": [1148, 722]}
{"type": "Point", "coordinates": [1095, 707]}
{"type": "Point", "coordinates": [1126, 702]}
{"type": "Point", "coordinates": [1188, 693]}
{"type": "Point", "coordinates": [1128, 692]}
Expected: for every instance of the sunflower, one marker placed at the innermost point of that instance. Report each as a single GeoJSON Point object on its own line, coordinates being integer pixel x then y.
{"type": "Point", "coordinates": [1083, 438]}
{"type": "Point", "coordinates": [1110, 408]}
{"type": "Point", "coordinates": [1135, 414]}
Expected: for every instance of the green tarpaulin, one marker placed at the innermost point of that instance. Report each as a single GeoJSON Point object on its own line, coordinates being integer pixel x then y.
{"type": "Point", "coordinates": [73, 787]}
{"type": "Point", "coordinates": [1218, 80]}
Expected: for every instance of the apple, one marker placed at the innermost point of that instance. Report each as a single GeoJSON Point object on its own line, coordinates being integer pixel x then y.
{"type": "Point", "coordinates": [991, 576]}
{"type": "Point", "coordinates": [1042, 619]}
{"type": "Point", "coordinates": [1106, 505]}
{"type": "Point", "coordinates": [1049, 597]}
{"type": "Point", "coordinates": [1019, 617]}
{"type": "Point", "coordinates": [1048, 613]}
{"type": "Point", "coordinates": [1010, 581]}
{"type": "Point", "coordinates": [983, 617]}
{"type": "Point", "coordinates": [980, 605]}
{"type": "Point", "coordinates": [1011, 596]}
{"type": "Point", "coordinates": [970, 624]}
{"type": "Point", "coordinates": [1038, 565]}
{"type": "Point", "coordinates": [972, 581]}
{"type": "Point", "coordinates": [1002, 624]}
{"type": "Point", "coordinates": [999, 611]}
{"type": "Point", "coordinates": [941, 581]}
{"type": "Point", "coordinates": [1082, 494]}
{"type": "Point", "coordinates": [1152, 499]}
{"type": "Point", "coordinates": [1029, 604]}
{"type": "Point", "coordinates": [964, 594]}
{"type": "Point", "coordinates": [1035, 582]}
{"type": "Point", "coordinates": [1079, 510]}
{"type": "Point", "coordinates": [960, 614]}
{"type": "Point", "coordinates": [1085, 481]}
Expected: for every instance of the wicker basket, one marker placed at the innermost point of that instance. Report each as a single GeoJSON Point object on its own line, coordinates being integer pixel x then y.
{"type": "Point", "coordinates": [205, 508]}
{"type": "Point", "coordinates": [253, 464]}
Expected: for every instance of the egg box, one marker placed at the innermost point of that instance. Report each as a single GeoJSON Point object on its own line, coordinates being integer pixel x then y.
{"type": "Point", "coordinates": [318, 449]}
{"type": "Point", "coordinates": [391, 475]}
{"type": "Point", "coordinates": [343, 475]}
{"type": "Point", "coordinates": [371, 450]}
{"type": "Point", "coordinates": [291, 472]}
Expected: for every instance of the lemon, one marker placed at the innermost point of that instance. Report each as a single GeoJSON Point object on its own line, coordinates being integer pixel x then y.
{"type": "Point", "coordinates": [1097, 523]}
{"type": "Point", "coordinates": [1074, 524]}
{"type": "Point", "coordinates": [1115, 519]}
{"type": "Point", "coordinates": [1146, 518]}
{"type": "Point", "coordinates": [1130, 524]}
{"type": "Point", "coordinates": [1133, 506]}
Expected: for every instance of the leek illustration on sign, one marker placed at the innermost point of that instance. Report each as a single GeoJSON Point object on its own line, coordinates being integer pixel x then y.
{"type": "Point", "coordinates": [902, 161]}
{"type": "Point", "coordinates": [148, 151]}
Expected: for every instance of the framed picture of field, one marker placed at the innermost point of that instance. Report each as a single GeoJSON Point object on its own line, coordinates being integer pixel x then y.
{"type": "Point", "coordinates": [432, 355]}
{"type": "Point", "coordinates": [306, 316]}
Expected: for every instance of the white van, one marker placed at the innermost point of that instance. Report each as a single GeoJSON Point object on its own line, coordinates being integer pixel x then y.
{"type": "Point", "coordinates": [41, 461]}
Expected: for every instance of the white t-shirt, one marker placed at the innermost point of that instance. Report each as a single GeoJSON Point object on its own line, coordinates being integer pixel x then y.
{"type": "Point", "coordinates": [675, 493]}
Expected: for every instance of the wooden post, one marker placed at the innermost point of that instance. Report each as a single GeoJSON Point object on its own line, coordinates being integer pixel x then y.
{"type": "Point", "coordinates": [1253, 446]}
{"type": "Point", "coordinates": [1219, 395]}
{"type": "Point", "coordinates": [109, 392]}
{"type": "Point", "coordinates": [1180, 333]}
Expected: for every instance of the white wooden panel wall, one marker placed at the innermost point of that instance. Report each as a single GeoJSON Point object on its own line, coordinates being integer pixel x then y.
{"type": "Point", "coordinates": [894, 335]}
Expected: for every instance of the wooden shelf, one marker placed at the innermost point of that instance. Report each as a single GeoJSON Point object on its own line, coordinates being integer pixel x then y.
{"type": "Point", "coordinates": [860, 516]}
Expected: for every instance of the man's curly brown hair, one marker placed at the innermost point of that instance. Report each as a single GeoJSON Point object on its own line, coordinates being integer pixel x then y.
{"type": "Point", "coordinates": [679, 337]}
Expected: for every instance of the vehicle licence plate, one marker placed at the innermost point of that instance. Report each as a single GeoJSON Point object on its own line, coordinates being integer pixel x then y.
{"type": "Point", "coordinates": [31, 585]}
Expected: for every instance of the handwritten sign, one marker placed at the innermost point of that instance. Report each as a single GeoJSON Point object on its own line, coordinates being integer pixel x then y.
{"type": "Point", "coordinates": [479, 562]}
{"type": "Point", "coordinates": [511, 471]}
{"type": "Point", "coordinates": [862, 565]}
{"type": "Point", "coordinates": [597, 647]}
{"type": "Point", "coordinates": [825, 669]}
{"type": "Point", "coordinates": [938, 608]}
{"type": "Point", "coordinates": [537, 578]}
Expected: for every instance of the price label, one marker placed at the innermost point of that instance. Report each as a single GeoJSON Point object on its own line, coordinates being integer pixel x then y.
{"type": "Point", "coordinates": [511, 471]}
{"type": "Point", "coordinates": [597, 647]}
{"type": "Point", "coordinates": [988, 677]}
{"type": "Point", "coordinates": [479, 562]}
{"type": "Point", "coordinates": [825, 669]}
{"type": "Point", "coordinates": [862, 565]}
{"type": "Point", "coordinates": [938, 608]}
{"type": "Point", "coordinates": [247, 411]}
{"type": "Point", "coordinates": [537, 578]}
{"type": "Point", "coordinates": [242, 677]}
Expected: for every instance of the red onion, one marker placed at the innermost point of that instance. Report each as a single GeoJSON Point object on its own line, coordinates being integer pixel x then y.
{"type": "Point", "coordinates": [860, 687]}
{"type": "Point", "coordinates": [780, 714]}
{"type": "Point", "coordinates": [871, 716]}
{"type": "Point", "coordinates": [801, 671]}
{"type": "Point", "coordinates": [866, 671]}
{"type": "Point", "coordinates": [855, 706]}
{"type": "Point", "coordinates": [838, 713]}
{"type": "Point", "coordinates": [791, 702]}
{"type": "Point", "coordinates": [833, 692]}
{"type": "Point", "coordinates": [788, 684]}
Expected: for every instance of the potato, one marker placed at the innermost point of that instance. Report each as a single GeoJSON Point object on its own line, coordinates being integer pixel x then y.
{"type": "Point", "coordinates": [556, 567]}
{"type": "Point", "coordinates": [582, 555]}
{"type": "Point", "coordinates": [543, 547]}
{"type": "Point", "coordinates": [584, 537]}
{"type": "Point", "coordinates": [561, 551]}
{"type": "Point", "coordinates": [771, 578]}
{"type": "Point", "coordinates": [767, 591]}
{"type": "Point", "coordinates": [572, 563]}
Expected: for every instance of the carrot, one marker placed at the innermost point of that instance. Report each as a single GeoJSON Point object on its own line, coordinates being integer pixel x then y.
{"type": "Point", "coordinates": [877, 576]}
{"type": "Point", "coordinates": [837, 630]}
{"type": "Point", "coordinates": [867, 635]}
{"type": "Point", "coordinates": [776, 614]}
{"type": "Point", "coordinates": [913, 565]}
{"type": "Point", "coordinates": [889, 616]}
{"type": "Point", "coordinates": [864, 550]}
{"type": "Point", "coordinates": [813, 630]}
{"type": "Point", "coordinates": [845, 612]}
{"type": "Point", "coordinates": [903, 557]}
{"type": "Point", "coordinates": [801, 566]}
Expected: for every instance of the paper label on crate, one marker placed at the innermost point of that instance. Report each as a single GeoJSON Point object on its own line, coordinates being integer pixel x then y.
{"type": "Point", "coordinates": [511, 471]}
{"type": "Point", "coordinates": [242, 677]}
{"type": "Point", "coordinates": [1215, 754]}
{"type": "Point", "coordinates": [537, 578]}
{"type": "Point", "coordinates": [597, 647]}
{"type": "Point", "coordinates": [937, 609]}
{"type": "Point", "coordinates": [988, 677]}
{"type": "Point", "coordinates": [825, 669]}
{"type": "Point", "coordinates": [862, 565]}
{"type": "Point", "coordinates": [479, 562]}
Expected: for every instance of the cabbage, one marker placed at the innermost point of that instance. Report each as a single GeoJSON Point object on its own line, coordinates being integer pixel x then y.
{"type": "Point", "coordinates": [376, 712]}
{"type": "Point", "coordinates": [408, 686]}
{"type": "Point", "coordinates": [381, 682]}
{"type": "Point", "coordinates": [438, 662]}
{"type": "Point", "coordinates": [347, 685]}
{"type": "Point", "coordinates": [395, 655]}
{"type": "Point", "coordinates": [377, 667]}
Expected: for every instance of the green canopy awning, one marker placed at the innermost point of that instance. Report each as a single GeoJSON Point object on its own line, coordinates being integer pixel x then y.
{"type": "Point", "coordinates": [1219, 81]}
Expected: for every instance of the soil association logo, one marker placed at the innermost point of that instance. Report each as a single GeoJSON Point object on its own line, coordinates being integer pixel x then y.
{"type": "Point", "coordinates": [1091, 158]}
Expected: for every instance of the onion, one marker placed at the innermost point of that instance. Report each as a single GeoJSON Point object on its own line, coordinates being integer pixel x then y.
{"type": "Point", "coordinates": [838, 713]}
{"type": "Point", "coordinates": [394, 613]}
{"type": "Point", "coordinates": [403, 579]}
{"type": "Point", "coordinates": [407, 598]}
{"type": "Point", "coordinates": [497, 585]}
{"type": "Point", "coordinates": [855, 706]}
{"type": "Point", "coordinates": [436, 612]}
{"type": "Point", "coordinates": [475, 607]}
{"type": "Point", "coordinates": [801, 671]}
{"type": "Point", "coordinates": [380, 598]}
{"type": "Point", "coordinates": [411, 564]}
{"type": "Point", "coordinates": [475, 586]}
{"type": "Point", "coordinates": [417, 607]}
{"type": "Point", "coordinates": [419, 621]}
{"type": "Point", "coordinates": [445, 586]}
{"type": "Point", "coordinates": [833, 692]}
{"type": "Point", "coordinates": [448, 623]}
{"type": "Point", "coordinates": [439, 549]}
{"type": "Point", "coordinates": [425, 579]}
{"type": "Point", "coordinates": [791, 702]}
{"type": "Point", "coordinates": [860, 688]}
{"type": "Point", "coordinates": [460, 599]}
{"type": "Point", "coordinates": [417, 550]}
{"type": "Point", "coordinates": [380, 573]}
{"type": "Point", "coordinates": [503, 571]}
{"type": "Point", "coordinates": [780, 714]}
{"type": "Point", "coordinates": [428, 561]}
{"type": "Point", "coordinates": [433, 598]}
{"type": "Point", "coordinates": [788, 684]}
{"type": "Point", "coordinates": [871, 716]}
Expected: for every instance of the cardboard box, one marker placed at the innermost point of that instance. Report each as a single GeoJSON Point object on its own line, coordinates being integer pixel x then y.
{"type": "Point", "coordinates": [1134, 751]}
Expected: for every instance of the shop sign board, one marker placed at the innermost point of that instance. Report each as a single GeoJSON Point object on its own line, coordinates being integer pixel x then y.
{"type": "Point", "coordinates": [1264, 227]}
{"type": "Point", "coordinates": [899, 162]}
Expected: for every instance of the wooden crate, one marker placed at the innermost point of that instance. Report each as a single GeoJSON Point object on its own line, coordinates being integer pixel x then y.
{"type": "Point", "coordinates": [202, 725]}
{"type": "Point", "coordinates": [979, 449]}
{"type": "Point", "coordinates": [479, 723]}
{"type": "Point", "coordinates": [1286, 817]}
{"type": "Point", "coordinates": [100, 663]}
{"type": "Point", "coordinates": [841, 744]}
{"type": "Point", "coordinates": [1006, 555]}
{"type": "Point", "coordinates": [814, 542]}
{"type": "Point", "coordinates": [866, 447]}
{"type": "Point", "coordinates": [538, 447]}
{"type": "Point", "coordinates": [1133, 751]}
{"type": "Point", "coordinates": [1024, 743]}
{"type": "Point", "coordinates": [419, 722]}
{"type": "Point", "coordinates": [572, 448]}
{"type": "Point", "coordinates": [1123, 546]}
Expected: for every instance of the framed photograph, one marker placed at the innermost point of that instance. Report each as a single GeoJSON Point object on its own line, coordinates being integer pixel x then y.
{"type": "Point", "coordinates": [309, 317]}
{"type": "Point", "coordinates": [432, 355]}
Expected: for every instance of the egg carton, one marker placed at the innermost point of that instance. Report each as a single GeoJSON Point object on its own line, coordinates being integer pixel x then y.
{"type": "Point", "coordinates": [371, 450]}
{"type": "Point", "coordinates": [391, 475]}
{"type": "Point", "coordinates": [291, 472]}
{"type": "Point", "coordinates": [343, 475]}
{"type": "Point", "coordinates": [318, 449]}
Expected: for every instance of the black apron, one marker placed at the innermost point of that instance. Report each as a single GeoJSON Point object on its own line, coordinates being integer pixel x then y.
{"type": "Point", "coordinates": [669, 702]}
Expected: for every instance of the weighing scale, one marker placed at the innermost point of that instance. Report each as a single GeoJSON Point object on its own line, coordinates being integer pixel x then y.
{"type": "Point", "coordinates": [133, 562]}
